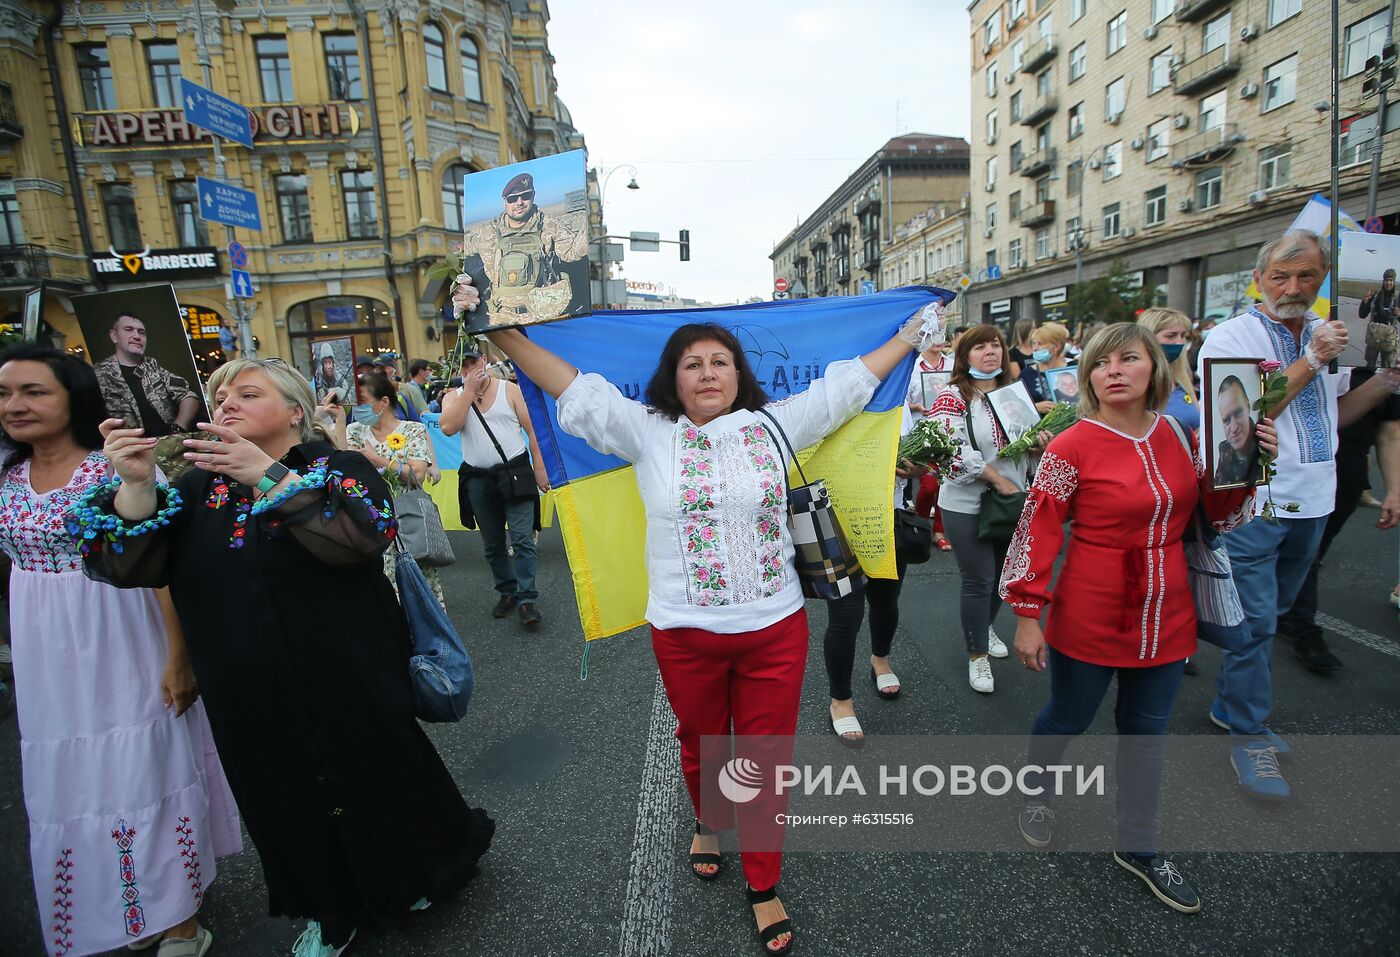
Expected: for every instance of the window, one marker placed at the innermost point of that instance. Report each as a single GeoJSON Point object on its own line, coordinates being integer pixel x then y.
{"type": "Point", "coordinates": [1159, 139]}
{"type": "Point", "coordinates": [1042, 83]}
{"type": "Point", "coordinates": [163, 62]}
{"type": "Point", "coordinates": [1159, 71]}
{"type": "Point", "coordinates": [1076, 10]}
{"type": "Point", "coordinates": [1016, 107]}
{"type": "Point", "coordinates": [991, 30]}
{"type": "Point", "coordinates": [1161, 9]}
{"type": "Point", "coordinates": [119, 206]}
{"type": "Point", "coordinates": [1042, 138]}
{"type": "Point", "coordinates": [1018, 10]}
{"type": "Point", "coordinates": [1208, 182]}
{"type": "Point", "coordinates": [958, 251]}
{"type": "Point", "coordinates": [1042, 189]}
{"type": "Point", "coordinates": [1117, 33]}
{"type": "Point", "coordinates": [471, 68]}
{"type": "Point", "coordinates": [991, 259]}
{"type": "Point", "coordinates": [1281, 10]}
{"type": "Point", "coordinates": [454, 194]}
{"type": "Point", "coordinates": [1216, 33]}
{"type": "Point", "coordinates": [1355, 150]}
{"type": "Point", "coordinates": [435, 56]}
{"type": "Point", "coordinates": [1074, 178]}
{"type": "Point", "coordinates": [1076, 121]}
{"type": "Point", "coordinates": [1072, 237]}
{"type": "Point", "coordinates": [1018, 155]}
{"type": "Point", "coordinates": [992, 78]}
{"type": "Point", "coordinates": [937, 259]}
{"type": "Point", "coordinates": [1155, 207]}
{"type": "Point", "coordinates": [992, 126]}
{"type": "Point", "coordinates": [992, 171]}
{"type": "Point", "coordinates": [1046, 27]}
{"type": "Point", "coordinates": [95, 77]}
{"type": "Point", "coordinates": [1280, 83]}
{"type": "Point", "coordinates": [275, 68]}
{"type": "Point", "coordinates": [1014, 254]}
{"type": "Point", "coordinates": [361, 214]}
{"type": "Point", "coordinates": [293, 207]}
{"type": "Point", "coordinates": [190, 230]}
{"type": "Point", "coordinates": [1015, 206]}
{"type": "Point", "coordinates": [1113, 160]}
{"type": "Point", "coordinates": [11, 229]}
{"type": "Point", "coordinates": [1110, 221]}
{"type": "Point", "coordinates": [1076, 62]}
{"type": "Point", "coordinates": [991, 215]}
{"type": "Point", "coordinates": [1018, 54]}
{"type": "Point", "coordinates": [343, 66]}
{"type": "Point", "coordinates": [1114, 100]}
{"type": "Point", "coordinates": [1363, 41]}
{"type": "Point", "coordinates": [1212, 112]}
{"type": "Point", "coordinates": [1042, 243]}
{"type": "Point", "coordinates": [1274, 165]}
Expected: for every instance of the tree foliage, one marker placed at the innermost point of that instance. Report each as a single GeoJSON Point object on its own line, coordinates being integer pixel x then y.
{"type": "Point", "coordinates": [1108, 299]}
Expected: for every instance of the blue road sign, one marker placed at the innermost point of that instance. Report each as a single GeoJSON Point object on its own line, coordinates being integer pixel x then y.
{"type": "Point", "coordinates": [867, 287]}
{"type": "Point", "coordinates": [237, 256]}
{"type": "Point", "coordinates": [230, 205]}
{"type": "Point", "coordinates": [993, 272]}
{"type": "Point", "coordinates": [242, 284]}
{"type": "Point", "coordinates": [217, 114]}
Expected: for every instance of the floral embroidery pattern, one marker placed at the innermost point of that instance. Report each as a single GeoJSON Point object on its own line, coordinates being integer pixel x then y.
{"type": "Point", "coordinates": [218, 496]}
{"type": "Point", "coordinates": [93, 526]}
{"type": "Point", "coordinates": [33, 528]}
{"type": "Point", "coordinates": [1057, 477]}
{"type": "Point", "coordinates": [699, 530]}
{"type": "Point", "coordinates": [693, 438]}
{"type": "Point", "coordinates": [189, 857]}
{"type": "Point", "coordinates": [769, 474]}
{"type": "Point", "coordinates": [1017, 567]}
{"type": "Point", "coordinates": [133, 913]}
{"type": "Point", "coordinates": [62, 903]}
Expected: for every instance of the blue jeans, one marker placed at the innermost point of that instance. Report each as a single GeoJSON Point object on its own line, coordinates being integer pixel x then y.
{"type": "Point", "coordinates": [1269, 561]}
{"type": "Point", "coordinates": [1145, 698]}
{"type": "Point", "coordinates": [516, 578]}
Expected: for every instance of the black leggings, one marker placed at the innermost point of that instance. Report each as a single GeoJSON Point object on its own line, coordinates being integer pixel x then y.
{"type": "Point", "coordinates": [843, 618]}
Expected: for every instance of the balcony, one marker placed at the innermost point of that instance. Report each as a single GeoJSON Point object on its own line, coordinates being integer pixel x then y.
{"type": "Point", "coordinates": [1188, 11]}
{"type": "Point", "coordinates": [1206, 70]}
{"type": "Point", "coordinates": [23, 264]}
{"type": "Point", "coordinates": [843, 270]}
{"type": "Point", "coordinates": [1041, 161]}
{"type": "Point", "coordinates": [1037, 214]}
{"type": "Point", "coordinates": [1041, 52]}
{"type": "Point", "coordinates": [1206, 146]}
{"type": "Point", "coordinates": [870, 257]}
{"type": "Point", "coordinates": [10, 128]}
{"type": "Point", "coordinates": [867, 199]}
{"type": "Point", "coordinates": [1040, 108]}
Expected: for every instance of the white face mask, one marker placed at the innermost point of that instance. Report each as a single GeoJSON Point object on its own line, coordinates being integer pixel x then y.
{"type": "Point", "coordinates": [985, 376]}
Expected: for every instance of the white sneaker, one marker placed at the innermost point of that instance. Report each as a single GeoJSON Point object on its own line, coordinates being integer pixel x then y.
{"type": "Point", "coordinates": [979, 674]}
{"type": "Point", "coordinates": [995, 647]}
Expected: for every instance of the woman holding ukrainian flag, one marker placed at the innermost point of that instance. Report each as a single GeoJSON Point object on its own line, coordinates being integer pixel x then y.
{"type": "Point", "coordinates": [726, 611]}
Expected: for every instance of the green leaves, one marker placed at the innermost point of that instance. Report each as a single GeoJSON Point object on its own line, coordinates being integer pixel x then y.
{"type": "Point", "coordinates": [1275, 391]}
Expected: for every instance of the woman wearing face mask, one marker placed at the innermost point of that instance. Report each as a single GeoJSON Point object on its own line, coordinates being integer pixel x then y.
{"type": "Point", "coordinates": [1047, 352]}
{"type": "Point", "coordinates": [1173, 332]}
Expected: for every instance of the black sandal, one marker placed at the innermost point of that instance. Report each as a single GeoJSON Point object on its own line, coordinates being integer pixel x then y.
{"type": "Point", "coordinates": [707, 857]}
{"type": "Point", "coordinates": [767, 935]}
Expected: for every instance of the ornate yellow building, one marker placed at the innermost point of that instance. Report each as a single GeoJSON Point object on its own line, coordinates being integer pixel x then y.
{"type": "Point", "coordinates": [368, 115]}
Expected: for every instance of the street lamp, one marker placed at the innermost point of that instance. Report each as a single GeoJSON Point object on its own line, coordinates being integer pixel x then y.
{"type": "Point", "coordinates": [605, 175]}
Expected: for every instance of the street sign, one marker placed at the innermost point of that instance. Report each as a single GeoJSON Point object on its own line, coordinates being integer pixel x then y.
{"type": "Point", "coordinates": [237, 256]}
{"type": "Point", "coordinates": [217, 114]}
{"type": "Point", "coordinates": [230, 205]}
{"type": "Point", "coordinates": [798, 289]}
{"type": "Point", "coordinates": [867, 287]}
{"type": "Point", "coordinates": [242, 284]}
{"type": "Point", "coordinates": [780, 294]}
{"type": "Point", "coordinates": [993, 272]}
{"type": "Point", "coordinates": [1374, 225]}
{"type": "Point", "coordinates": [964, 281]}
{"type": "Point", "coordinates": [780, 284]}
{"type": "Point", "coordinates": [645, 242]}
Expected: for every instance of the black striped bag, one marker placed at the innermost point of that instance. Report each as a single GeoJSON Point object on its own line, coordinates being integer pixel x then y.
{"type": "Point", "coordinates": [827, 566]}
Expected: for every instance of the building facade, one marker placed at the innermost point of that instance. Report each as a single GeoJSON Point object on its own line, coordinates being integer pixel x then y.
{"type": "Point", "coordinates": [931, 250]}
{"type": "Point", "coordinates": [367, 117]}
{"type": "Point", "coordinates": [838, 250]}
{"type": "Point", "coordinates": [1174, 135]}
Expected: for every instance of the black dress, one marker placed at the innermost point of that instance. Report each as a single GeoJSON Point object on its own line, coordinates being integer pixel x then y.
{"type": "Point", "coordinates": [301, 653]}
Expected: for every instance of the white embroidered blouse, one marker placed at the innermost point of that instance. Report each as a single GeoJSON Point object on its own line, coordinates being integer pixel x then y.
{"type": "Point", "coordinates": [719, 555]}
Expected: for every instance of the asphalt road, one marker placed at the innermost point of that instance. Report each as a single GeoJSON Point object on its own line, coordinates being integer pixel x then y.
{"type": "Point", "coordinates": [593, 824]}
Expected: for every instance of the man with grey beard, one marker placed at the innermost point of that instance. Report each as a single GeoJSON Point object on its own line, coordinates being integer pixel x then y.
{"type": "Point", "coordinates": [1270, 558]}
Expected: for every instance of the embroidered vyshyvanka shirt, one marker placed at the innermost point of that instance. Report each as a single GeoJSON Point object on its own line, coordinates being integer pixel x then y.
{"type": "Point", "coordinates": [718, 552]}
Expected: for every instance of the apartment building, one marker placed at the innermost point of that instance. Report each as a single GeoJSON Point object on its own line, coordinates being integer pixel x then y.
{"type": "Point", "coordinates": [931, 250]}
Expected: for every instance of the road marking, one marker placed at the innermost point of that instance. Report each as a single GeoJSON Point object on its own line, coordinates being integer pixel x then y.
{"type": "Point", "coordinates": [1361, 635]}
{"type": "Point", "coordinates": [646, 914]}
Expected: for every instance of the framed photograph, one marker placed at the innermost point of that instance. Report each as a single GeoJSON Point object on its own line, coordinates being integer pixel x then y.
{"type": "Point", "coordinates": [933, 383]}
{"type": "Point", "coordinates": [525, 242]}
{"type": "Point", "coordinates": [1367, 298]}
{"type": "Point", "coordinates": [1228, 420]}
{"type": "Point", "coordinates": [33, 313]}
{"type": "Point", "coordinates": [333, 370]}
{"type": "Point", "coordinates": [1064, 384]}
{"type": "Point", "coordinates": [139, 348]}
{"type": "Point", "coordinates": [1014, 409]}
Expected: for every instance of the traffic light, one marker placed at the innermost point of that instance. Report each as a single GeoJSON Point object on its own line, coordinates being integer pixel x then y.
{"type": "Point", "coordinates": [1380, 72]}
{"type": "Point", "coordinates": [685, 245]}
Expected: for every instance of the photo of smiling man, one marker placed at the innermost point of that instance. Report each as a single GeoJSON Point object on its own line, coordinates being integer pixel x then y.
{"type": "Point", "coordinates": [1232, 389]}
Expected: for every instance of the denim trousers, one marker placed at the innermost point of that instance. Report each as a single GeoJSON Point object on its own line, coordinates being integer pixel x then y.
{"type": "Point", "coordinates": [1145, 698]}
{"type": "Point", "coordinates": [515, 578]}
{"type": "Point", "coordinates": [1269, 560]}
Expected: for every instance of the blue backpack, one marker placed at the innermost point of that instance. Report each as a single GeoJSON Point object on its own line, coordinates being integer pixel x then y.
{"type": "Point", "coordinates": [440, 668]}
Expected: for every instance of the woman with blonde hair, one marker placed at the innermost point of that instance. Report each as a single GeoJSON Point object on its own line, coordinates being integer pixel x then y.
{"type": "Point", "coordinates": [350, 807]}
{"type": "Point", "coordinates": [1172, 328]}
{"type": "Point", "coordinates": [1047, 352]}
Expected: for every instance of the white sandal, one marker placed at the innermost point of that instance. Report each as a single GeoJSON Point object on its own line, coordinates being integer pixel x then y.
{"type": "Point", "coordinates": [848, 725]}
{"type": "Point", "coordinates": [886, 685]}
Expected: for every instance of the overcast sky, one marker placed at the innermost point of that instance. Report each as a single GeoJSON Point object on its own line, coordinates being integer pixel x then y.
{"type": "Point", "coordinates": [741, 117]}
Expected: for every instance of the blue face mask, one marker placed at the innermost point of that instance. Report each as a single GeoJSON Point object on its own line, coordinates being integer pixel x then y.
{"type": "Point", "coordinates": [363, 414]}
{"type": "Point", "coordinates": [984, 376]}
{"type": "Point", "coordinates": [1041, 355]}
{"type": "Point", "coordinates": [1173, 350]}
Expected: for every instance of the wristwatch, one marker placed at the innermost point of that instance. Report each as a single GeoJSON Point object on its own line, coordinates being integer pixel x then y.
{"type": "Point", "coordinates": [275, 473]}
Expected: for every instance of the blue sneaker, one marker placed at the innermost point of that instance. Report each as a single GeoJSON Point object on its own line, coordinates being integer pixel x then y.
{"type": "Point", "coordinates": [1256, 766]}
{"type": "Point", "coordinates": [1220, 718]}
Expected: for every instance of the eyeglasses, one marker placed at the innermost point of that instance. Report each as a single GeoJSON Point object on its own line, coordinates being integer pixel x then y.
{"type": "Point", "coordinates": [517, 197]}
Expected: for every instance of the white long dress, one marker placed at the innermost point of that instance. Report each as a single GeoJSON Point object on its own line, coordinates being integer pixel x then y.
{"type": "Point", "coordinates": [128, 805]}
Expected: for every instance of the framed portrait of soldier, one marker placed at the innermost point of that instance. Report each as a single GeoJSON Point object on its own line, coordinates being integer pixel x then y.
{"type": "Point", "coordinates": [1368, 299]}
{"type": "Point", "coordinates": [1230, 389]}
{"type": "Point", "coordinates": [525, 242]}
{"type": "Point", "coordinates": [138, 346]}
{"type": "Point", "coordinates": [933, 383]}
{"type": "Point", "coordinates": [1063, 384]}
{"type": "Point", "coordinates": [1014, 410]}
{"type": "Point", "coordinates": [333, 370]}
{"type": "Point", "coordinates": [33, 312]}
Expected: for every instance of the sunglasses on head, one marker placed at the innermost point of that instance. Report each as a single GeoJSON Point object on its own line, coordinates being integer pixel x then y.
{"type": "Point", "coordinates": [517, 197]}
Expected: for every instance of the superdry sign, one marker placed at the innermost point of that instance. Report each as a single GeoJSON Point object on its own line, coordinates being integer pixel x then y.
{"type": "Point", "coordinates": [148, 264]}
{"type": "Point", "coordinates": [286, 123]}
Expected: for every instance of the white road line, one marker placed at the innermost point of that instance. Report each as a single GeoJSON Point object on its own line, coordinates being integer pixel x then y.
{"type": "Point", "coordinates": [646, 914]}
{"type": "Point", "coordinates": [1376, 642]}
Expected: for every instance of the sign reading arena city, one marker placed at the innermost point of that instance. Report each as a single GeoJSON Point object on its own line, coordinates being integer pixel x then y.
{"type": "Point", "coordinates": [279, 123]}
{"type": "Point", "coordinates": [149, 265]}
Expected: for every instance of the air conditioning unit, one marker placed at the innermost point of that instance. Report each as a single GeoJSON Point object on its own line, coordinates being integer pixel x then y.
{"type": "Point", "coordinates": [1183, 206]}
{"type": "Point", "coordinates": [1095, 163]}
{"type": "Point", "coordinates": [987, 233]}
{"type": "Point", "coordinates": [1257, 197]}
{"type": "Point", "coordinates": [1250, 32]}
{"type": "Point", "coordinates": [1249, 90]}
{"type": "Point", "coordinates": [1114, 118]}
{"type": "Point", "coordinates": [1127, 232]}
{"type": "Point", "coordinates": [1150, 33]}
{"type": "Point", "coordinates": [990, 187]}
{"type": "Point", "coordinates": [1137, 143]}
{"type": "Point", "coordinates": [1181, 121]}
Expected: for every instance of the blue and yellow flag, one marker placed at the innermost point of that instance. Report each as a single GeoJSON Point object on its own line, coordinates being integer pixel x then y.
{"type": "Point", "coordinates": [788, 344]}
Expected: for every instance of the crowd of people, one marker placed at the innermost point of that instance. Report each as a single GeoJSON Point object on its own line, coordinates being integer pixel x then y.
{"type": "Point", "coordinates": [146, 737]}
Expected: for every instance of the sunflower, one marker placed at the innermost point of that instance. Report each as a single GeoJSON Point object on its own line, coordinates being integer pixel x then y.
{"type": "Point", "coordinates": [396, 441]}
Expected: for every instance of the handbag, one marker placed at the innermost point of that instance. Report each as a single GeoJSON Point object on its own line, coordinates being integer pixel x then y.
{"type": "Point", "coordinates": [420, 527]}
{"type": "Point", "coordinates": [998, 512]}
{"type": "Point", "coordinates": [913, 534]}
{"type": "Point", "coordinates": [827, 566]}
{"type": "Point", "coordinates": [440, 667]}
{"type": "Point", "coordinates": [515, 478]}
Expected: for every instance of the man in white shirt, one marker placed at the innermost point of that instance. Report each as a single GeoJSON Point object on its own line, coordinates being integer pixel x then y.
{"type": "Point", "coordinates": [1270, 559]}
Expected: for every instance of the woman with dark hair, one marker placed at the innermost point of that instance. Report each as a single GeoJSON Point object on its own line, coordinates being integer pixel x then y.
{"type": "Point", "coordinates": [725, 608]}
{"type": "Point", "coordinates": [118, 759]}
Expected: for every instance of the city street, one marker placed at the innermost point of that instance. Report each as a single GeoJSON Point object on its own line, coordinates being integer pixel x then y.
{"type": "Point", "coordinates": [589, 858]}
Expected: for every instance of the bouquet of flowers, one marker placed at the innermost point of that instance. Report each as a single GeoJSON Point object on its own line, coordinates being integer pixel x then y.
{"type": "Point", "coordinates": [1270, 397]}
{"type": "Point", "coordinates": [1059, 418]}
{"type": "Point", "coordinates": [929, 443]}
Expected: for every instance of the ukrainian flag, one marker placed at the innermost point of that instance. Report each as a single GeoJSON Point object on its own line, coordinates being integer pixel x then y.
{"type": "Point", "coordinates": [788, 344]}
{"type": "Point", "coordinates": [1316, 217]}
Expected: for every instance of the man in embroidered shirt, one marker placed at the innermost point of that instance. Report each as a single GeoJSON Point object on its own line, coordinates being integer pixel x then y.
{"type": "Point", "coordinates": [1270, 559]}
{"type": "Point", "coordinates": [139, 389]}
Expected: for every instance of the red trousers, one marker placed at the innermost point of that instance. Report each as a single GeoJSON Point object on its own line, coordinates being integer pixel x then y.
{"type": "Point", "coordinates": [747, 684]}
